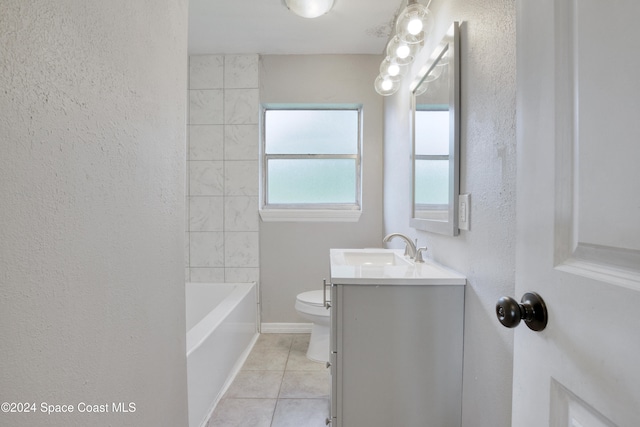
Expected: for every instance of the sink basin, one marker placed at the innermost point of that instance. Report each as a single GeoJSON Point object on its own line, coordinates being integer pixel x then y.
{"type": "Point", "coordinates": [374, 258]}
{"type": "Point", "coordinates": [387, 267]}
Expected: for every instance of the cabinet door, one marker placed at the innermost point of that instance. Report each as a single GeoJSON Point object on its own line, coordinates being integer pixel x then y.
{"type": "Point", "coordinates": [400, 355]}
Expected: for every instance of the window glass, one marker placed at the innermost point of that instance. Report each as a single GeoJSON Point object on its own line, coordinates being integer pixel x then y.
{"type": "Point", "coordinates": [432, 178]}
{"type": "Point", "coordinates": [432, 133]}
{"type": "Point", "coordinates": [311, 132]}
{"type": "Point", "coordinates": [313, 181]}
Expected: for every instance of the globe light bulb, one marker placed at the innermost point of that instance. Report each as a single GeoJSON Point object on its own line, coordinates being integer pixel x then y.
{"type": "Point", "coordinates": [391, 69]}
{"type": "Point", "coordinates": [403, 51]}
{"type": "Point", "coordinates": [413, 23]}
{"type": "Point", "coordinates": [386, 86]}
{"type": "Point", "coordinates": [415, 26]}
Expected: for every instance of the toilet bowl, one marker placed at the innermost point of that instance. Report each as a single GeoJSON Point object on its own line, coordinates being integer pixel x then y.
{"type": "Point", "coordinates": [310, 305]}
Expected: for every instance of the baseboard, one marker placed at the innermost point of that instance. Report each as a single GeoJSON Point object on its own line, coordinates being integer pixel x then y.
{"type": "Point", "coordinates": [286, 328]}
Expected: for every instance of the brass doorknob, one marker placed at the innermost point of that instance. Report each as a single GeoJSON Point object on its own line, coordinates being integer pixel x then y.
{"type": "Point", "coordinates": [531, 309]}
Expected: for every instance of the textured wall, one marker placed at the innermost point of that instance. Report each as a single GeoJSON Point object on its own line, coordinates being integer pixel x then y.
{"type": "Point", "coordinates": [486, 254]}
{"type": "Point", "coordinates": [222, 203]}
{"type": "Point", "coordinates": [92, 135]}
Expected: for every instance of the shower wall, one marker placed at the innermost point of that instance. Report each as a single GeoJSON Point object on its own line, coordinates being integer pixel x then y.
{"type": "Point", "coordinates": [222, 167]}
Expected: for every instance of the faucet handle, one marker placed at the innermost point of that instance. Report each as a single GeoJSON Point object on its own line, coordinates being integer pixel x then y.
{"type": "Point", "coordinates": [419, 254]}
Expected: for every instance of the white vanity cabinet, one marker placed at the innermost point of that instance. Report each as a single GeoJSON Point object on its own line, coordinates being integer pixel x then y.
{"type": "Point", "coordinates": [396, 351]}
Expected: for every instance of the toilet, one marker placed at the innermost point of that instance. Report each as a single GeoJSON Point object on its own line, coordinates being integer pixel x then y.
{"type": "Point", "coordinates": [310, 305]}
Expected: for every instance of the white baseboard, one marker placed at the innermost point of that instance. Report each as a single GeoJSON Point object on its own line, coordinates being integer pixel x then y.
{"type": "Point", "coordinates": [286, 328]}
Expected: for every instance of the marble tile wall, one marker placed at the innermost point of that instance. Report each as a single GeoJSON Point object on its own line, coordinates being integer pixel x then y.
{"type": "Point", "coordinates": [222, 167]}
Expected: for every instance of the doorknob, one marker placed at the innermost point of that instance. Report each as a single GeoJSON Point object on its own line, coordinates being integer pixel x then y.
{"type": "Point", "coordinates": [531, 309]}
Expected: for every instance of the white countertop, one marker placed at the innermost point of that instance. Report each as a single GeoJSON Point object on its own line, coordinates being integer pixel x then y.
{"type": "Point", "coordinates": [387, 267]}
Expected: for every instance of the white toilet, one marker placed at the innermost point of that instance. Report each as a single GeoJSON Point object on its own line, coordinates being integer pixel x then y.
{"type": "Point", "coordinates": [310, 305]}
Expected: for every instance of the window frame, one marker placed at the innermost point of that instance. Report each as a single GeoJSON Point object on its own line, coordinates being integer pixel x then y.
{"type": "Point", "coordinates": [317, 212]}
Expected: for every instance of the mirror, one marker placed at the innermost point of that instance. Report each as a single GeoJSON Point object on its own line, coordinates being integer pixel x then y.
{"type": "Point", "coordinates": [435, 105]}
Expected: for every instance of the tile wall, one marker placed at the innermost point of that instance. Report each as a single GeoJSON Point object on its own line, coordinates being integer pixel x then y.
{"type": "Point", "coordinates": [222, 167]}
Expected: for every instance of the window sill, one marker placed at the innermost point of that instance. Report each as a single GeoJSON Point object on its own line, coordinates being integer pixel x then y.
{"type": "Point", "coordinates": [309, 215]}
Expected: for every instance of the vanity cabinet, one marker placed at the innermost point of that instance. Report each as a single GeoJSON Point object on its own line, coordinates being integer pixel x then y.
{"type": "Point", "coordinates": [396, 354]}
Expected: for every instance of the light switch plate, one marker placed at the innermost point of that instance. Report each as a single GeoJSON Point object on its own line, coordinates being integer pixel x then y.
{"type": "Point", "coordinates": [464, 208]}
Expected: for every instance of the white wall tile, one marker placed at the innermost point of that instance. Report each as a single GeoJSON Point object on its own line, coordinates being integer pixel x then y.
{"type": "Point", "coordinates": [206, 142]}
{"type": "Point", "coordinates": [241, 142]}
{"type": "Point", "coordinates": [241, 178]}
{"type": "Point", "coordinates": [222, 172]}
{"type": "Point", "coordinates": [206, 107]}
{"type": "Point", "coordinates": [241, 106]}
{"type": "Point", "coordinates": [206, 213]}
{"type": "Point", "coordinates": [241, 213]}
{"type": "Point", "coordinates": [206, 178]}
{"type": "Point", "coordinates": [241, 275]}
{"type": "Point", "coordinates": [207, 275]}
{"type": "Point", "coordinates": [241, 249]}
{"type": "Point", "coordinates": [241, 71]}
{"type": "Point", "coordinates": [206, 249]}
{"type": "Point", "coordinates": [206, 71]}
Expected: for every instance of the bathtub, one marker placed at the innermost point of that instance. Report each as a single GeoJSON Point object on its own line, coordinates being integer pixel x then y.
{"type": "Point", "coordinates": [221, 330]}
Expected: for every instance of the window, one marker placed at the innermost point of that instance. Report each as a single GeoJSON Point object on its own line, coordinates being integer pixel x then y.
{"type": "Point", "coordinates": [311, 163]}
{"type": "Point", "coordinates": [431, 158]}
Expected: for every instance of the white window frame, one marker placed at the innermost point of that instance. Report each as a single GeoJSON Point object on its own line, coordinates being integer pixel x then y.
{"type": "Point", "coordinates": [324, 212]}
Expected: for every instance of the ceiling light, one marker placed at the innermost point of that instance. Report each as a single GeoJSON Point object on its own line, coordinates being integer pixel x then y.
{"type": "Point", "coordinates": [309, 8]}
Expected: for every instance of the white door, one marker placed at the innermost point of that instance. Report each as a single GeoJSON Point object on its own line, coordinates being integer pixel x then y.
{"type": "Point", "coordinates": [578, 234]}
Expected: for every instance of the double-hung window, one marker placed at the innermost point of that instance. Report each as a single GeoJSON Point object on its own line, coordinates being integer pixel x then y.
{"type": "Point", "coordinates": [311, 163]}
{"type": "Point", "coordinates": [432, 160]}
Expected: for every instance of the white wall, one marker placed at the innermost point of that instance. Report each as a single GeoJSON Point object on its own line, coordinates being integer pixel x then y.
{"type": "Point", "coordinates": [92, 135]}
{"type": "Point", "coordinates": [222, 204]}
{"type": "Point", "coordinates": [486, 254]}
{"type": "Point", "coordinates": [294, 257]}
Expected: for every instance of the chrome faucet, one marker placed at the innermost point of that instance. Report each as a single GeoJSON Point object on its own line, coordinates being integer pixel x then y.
{"type": "Point", "coordinates": [409, 249]}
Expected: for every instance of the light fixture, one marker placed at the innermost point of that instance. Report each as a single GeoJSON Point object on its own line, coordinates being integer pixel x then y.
{"type": "Point", "coordinates": [413, 23]}
{"type": "Point", "coordinates": [309, 8]}
{"type": "Point", "coordinates": [386, 86]}
{"type": "Point", "coordinates": [391, 69]}
{"type": "Point", "coordinates": [402, 51]}
{"type": "Point", "coordinates": [412, 26]}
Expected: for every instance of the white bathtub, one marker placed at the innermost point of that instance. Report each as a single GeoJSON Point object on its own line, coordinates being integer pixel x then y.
{"type": "Point", "coordinates": [221, 329]}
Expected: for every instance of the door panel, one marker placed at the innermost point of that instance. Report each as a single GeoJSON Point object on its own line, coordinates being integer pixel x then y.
{"type": "Point", "coordinates": [578, 242]}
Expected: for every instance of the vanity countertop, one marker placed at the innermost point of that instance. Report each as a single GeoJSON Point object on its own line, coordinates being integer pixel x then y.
{"type": "Point", "coordinates": [387, 267]}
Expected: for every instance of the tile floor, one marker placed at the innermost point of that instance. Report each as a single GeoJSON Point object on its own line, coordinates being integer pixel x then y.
{"type": "Point", "coordinates": [277, 387]}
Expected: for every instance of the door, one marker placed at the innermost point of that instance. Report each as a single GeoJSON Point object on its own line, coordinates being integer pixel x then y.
{"type": "Point", "coordinates": [578, 233]}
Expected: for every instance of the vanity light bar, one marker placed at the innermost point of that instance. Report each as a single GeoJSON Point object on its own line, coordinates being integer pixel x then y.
{"type": "Point", "coordinates": [411, 28]}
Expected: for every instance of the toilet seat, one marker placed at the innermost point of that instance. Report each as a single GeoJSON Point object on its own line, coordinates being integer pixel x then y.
{"type": "Point", "coordinates": [312, 298]}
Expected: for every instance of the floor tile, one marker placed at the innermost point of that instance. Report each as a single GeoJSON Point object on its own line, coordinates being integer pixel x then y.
{"type": "Point", "coordinates": [255, 384]}
{"type": "Point", "coordinates": [243, 413]}
{"type": "Point", "coordinates": [266, 358]}
{"type": "Point", "coordinates": [305, 384]}
{"type": "Point", "coordinates": [275, 341]}
{"type": "Point", "coordinates": [298, 360]}
{"type": "Point", "coordinates": [277, 387]}
{"type": "Point", "coordinates": [301, 413]}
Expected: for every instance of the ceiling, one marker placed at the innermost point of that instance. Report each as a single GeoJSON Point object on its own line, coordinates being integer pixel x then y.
{"type": "Point", "coordinates": [268, 27]}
